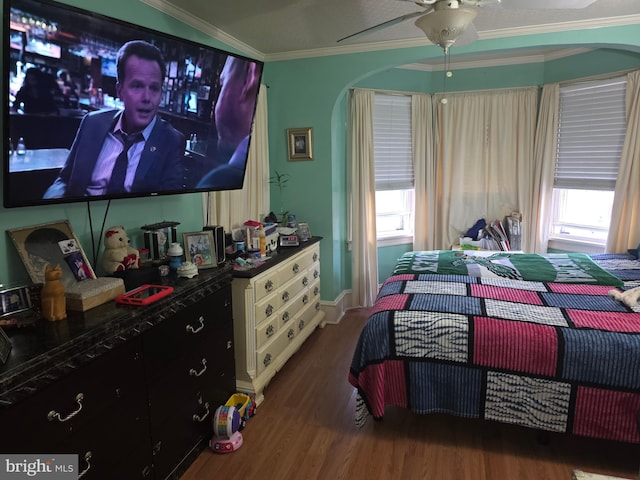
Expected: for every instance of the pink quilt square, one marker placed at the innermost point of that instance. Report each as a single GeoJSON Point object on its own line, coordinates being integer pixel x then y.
{"type": "Point", "coordinates": [515, 346]}
{"type": "Point", "coordinates": [506, 294]}
{"type": "Point", "coordinates": [579, 288]}
{"type": "Point", "coordinates": [607, 414]}
{"type": "Point", "coordinates": [611, 321]}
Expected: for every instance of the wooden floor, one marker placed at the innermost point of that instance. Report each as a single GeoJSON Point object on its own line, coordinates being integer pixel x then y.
{"type": "Point", "coordinates": [304, 429]}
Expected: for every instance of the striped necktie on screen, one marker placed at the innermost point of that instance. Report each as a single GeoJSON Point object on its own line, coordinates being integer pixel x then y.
{"type": "Point", "coordinates": [119, 173]}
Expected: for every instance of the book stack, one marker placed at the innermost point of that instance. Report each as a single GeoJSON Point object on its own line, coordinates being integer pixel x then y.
{"type": "Point", "coordinates": [494, 237]}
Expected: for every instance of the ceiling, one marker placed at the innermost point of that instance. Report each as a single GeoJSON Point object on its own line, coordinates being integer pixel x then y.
{"type": "Point", "coordinates": [285, 29]}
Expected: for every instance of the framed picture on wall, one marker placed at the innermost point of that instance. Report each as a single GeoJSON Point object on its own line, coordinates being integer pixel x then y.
{"type": "Point", "coordinates": [200, 249]}
{"type": "Point", "coordinates": [299, 141]}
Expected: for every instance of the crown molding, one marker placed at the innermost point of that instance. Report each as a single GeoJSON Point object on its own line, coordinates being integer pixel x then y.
{"type": "Point", "coordinates": [497, 62]}
{"type": "Point", "coordinates": [204, 27]}
{"type": "Point", "coordinates": [247, 50]}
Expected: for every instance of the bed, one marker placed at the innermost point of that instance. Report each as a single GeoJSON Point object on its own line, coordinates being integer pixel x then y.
{"type": "Point", "coordinates": [553, 352]}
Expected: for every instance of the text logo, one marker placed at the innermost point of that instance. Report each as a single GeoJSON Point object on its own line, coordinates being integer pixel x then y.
{"type": "Point", "coordinates": [38, 467]}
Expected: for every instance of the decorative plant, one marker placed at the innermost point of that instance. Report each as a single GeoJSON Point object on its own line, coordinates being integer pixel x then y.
{"type": "Point", "coordinates": [280, 180]}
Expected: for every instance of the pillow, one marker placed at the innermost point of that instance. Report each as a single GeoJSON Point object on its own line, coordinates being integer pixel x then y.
{"type": "Point", "coordinates": [635, 252]}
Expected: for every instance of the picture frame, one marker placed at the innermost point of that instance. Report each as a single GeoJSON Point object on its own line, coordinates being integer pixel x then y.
{"type": "Point", "coordinates": [5, 346]}
{"type": "Point", "coordinates": [200, 249]}
{"type": "Point", "coordinates": [14, 300]}
{"type": "Point", "coordinates": [303, 231]}
{"type": "Point", "coordinates": [53, 244]}
{"type": "Point", "coordinates": [300, 143]}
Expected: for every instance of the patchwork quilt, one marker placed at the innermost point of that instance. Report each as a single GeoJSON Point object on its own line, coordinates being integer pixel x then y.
{"type": "Point", "coordinates": [551, 356]}
{"type": "Point", "coordinates": [553, 267]}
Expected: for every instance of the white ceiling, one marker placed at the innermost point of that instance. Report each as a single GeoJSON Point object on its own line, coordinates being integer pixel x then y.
{"type": "Point", "coordinates": [283, 29]}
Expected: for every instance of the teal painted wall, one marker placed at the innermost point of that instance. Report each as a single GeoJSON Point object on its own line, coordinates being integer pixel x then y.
{"type": "Point", "coordinates": [312, 93]}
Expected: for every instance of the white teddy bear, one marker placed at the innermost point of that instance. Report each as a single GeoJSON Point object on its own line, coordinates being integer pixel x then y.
{"type": "Point", "coordinates": [118, 255]}
{"type": "Point", "coordinates": [628, 297]}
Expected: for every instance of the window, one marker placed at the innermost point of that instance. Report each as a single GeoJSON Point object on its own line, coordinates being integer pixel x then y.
{"type": "Point", "coordinates": [393, 168]}
{"type": "Point", "coordinates": [591, 130]}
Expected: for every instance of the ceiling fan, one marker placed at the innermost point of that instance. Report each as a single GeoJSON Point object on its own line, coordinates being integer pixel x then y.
{"type": "Point", "coordinates": [445, 21]}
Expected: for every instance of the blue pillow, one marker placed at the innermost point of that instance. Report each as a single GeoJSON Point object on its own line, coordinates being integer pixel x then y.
{"type": "Point", "coordinates": [635, 252]}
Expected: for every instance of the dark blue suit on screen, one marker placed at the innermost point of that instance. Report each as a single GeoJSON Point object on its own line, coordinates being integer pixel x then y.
{"type": "Point", "coordinates": [160, 167]}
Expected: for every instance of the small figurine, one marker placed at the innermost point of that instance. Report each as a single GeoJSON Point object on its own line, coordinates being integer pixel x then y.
{"type": "Point", "coordinates": [52, 300]}
{"type": "Point", "coordinates": [118, 255]}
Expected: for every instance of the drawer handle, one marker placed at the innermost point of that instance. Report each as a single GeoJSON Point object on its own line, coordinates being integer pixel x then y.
{"type": "Point", "coordinates": [291, 333]}
{"type": "Point", "coordinates": [301, 324]}
{"type": "Point", "coordinates": [55, 415]}
{"type": "Point", "coordinates": [268, 286]}
{"type": "Point", "coordinates": [190, 329]}
{"type": "Point", "coordinates": [202, 418]}
{"type": "Point", "coordinates": [285, 317]}
{"type": "Point", "coordinates": [194, 373]}
{"type": "Point", "coordinates": [316, 274]}
{"type": "Point", "coordinates": [285, 296]}
{"type": "Point", "coordinates": [315, 256]}
{"type": "Point", "coordinates": [296, 268]}
{"type": "Point", "coordinates": [270, 330]}
{"type": "Point", "coordinates": [269, 310]}
{"type": "Point", "coordinates": [318, 306]}
{"type": "Point", "coordinates": [316, 291]}
{"type": "Point", "coordinates": [267, 359]}
{"type": "Point", "coordinates": [87, 458]}
{"type": "Point", "coordinates": [305, 282]}
{"type": "Point", "coordinates": [305, 299]}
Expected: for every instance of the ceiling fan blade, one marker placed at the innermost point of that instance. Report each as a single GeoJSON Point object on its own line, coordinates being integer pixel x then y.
{"type": "Point", "coordinates": [382, 25]}
{"type": "Point", "coordinates": [546, 4]}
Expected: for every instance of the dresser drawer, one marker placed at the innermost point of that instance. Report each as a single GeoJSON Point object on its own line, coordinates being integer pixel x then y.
{"type": "Point", "coordinates": [269, 352]}
{"type": "Point", "coordinates": [289, 291]}
{"type": "Point", "coordinates": [266, 330]}
{"type": "Point", "coordinates": [80, 400]}
{"type": "Point", "coordinates": [266, 308]}
{"type": "Point", "coordinates": [265, 284]}
{"type": "Point", "coordinates": [185, 334]}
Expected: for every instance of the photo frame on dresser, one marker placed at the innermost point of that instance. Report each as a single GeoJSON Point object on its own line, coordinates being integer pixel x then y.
{"type": "Point", "coordinates": [5, 346]}
{"type": "Point", "coordinates": [52, 244]}
{"type": "Point", "coordinates": [200, 249]}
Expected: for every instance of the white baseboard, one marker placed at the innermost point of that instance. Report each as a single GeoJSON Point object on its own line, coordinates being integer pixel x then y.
{"type": "Point", "coordinates": [335, 310]}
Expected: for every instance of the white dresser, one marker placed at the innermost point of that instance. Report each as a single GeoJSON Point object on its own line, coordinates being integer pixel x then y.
{"type": "Point", "coordinates": [275, 309]}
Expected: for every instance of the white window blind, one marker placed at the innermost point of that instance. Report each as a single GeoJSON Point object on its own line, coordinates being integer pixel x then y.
{"type": "Point", "coordinates": [392, 142]}
{"type": "Point", "coordinates": [591, 130]}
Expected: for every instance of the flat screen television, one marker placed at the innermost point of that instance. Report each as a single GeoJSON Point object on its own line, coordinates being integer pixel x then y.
{"type": "Point", "coordinates": [68, 100]}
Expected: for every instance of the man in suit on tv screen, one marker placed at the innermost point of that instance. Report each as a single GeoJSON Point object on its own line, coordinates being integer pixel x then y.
{"type": "Point", "coordinates": [116, 152]}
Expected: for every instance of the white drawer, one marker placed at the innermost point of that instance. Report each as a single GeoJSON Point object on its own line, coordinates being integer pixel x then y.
{"type": "Point", "coordinates": [294, 307]}
{"type": "Point", "coordinates": [292, 288]}
{"type": "Point", "coordinates": [314, 290]}
{"type": "Point", "coordinates": [266, 330]}
{"type": "Point", "coordinates": [294, 267]}
{"type": "Point", "coordinates": [307, 315]}
{"type": "Point", "coordinates": [265, 284]}
{"type": "Point", "coordinates": [267, 307]}
{"type": "Point", "coordinates": [270, 351]}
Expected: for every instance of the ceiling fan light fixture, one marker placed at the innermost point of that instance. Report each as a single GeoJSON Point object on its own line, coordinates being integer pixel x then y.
{"type": "Point", "coordinates": [443, 26]}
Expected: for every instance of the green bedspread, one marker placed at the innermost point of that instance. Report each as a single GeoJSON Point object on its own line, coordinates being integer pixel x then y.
{"type": "Point", "coordinates": [553, 267]}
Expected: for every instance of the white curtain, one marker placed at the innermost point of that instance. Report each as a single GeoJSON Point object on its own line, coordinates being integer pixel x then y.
{"type": "Point", "coordinates": [232, 208]}
{"type": "Point", "coordinates": [484, 153]}
{"type": "Point", "coordinates": [538, 209]}
{"type": "Point", "coordinates": [424, 172]}
{"type": "Point", "coordinates": [362, 218]}
{"type": "Point", "coordinates": [626, 204]}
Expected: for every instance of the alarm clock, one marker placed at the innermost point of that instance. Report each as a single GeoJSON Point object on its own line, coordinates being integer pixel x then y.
{"type": "Point", "coordinates": [289, 241]}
